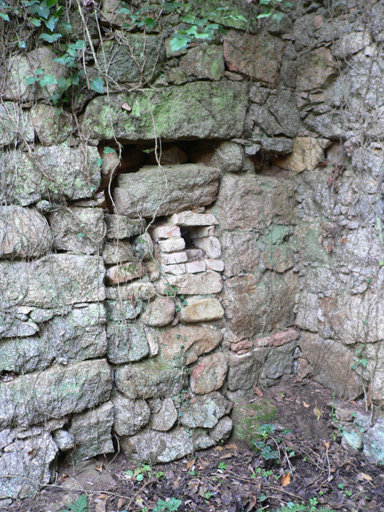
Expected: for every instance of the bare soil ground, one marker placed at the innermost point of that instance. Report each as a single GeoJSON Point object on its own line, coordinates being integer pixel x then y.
{"type": "Point", "coordinates": [231, 477]}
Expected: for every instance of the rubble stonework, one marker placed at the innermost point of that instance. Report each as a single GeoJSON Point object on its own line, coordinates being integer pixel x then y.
{"type": "Point", "coordinates": [232, 238]}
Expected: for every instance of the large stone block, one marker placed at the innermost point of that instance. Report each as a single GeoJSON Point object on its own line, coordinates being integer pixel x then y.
{"type": "Point", "coordinates": [197, 110]}
{"type": "Point", "coordinates": [51, 173]}
{"type": "Point", "coordinates": [330, 365]}
{"type": "Point", "coordinates": [130, 415]}
{"type": "Point", "coordinates": [53, 281]}
{"type": "Point", "coordinates": [204, 411]}
{"type": "Point", "coordinates": [254, 202]}
{"type": "Point", "coordinates": [24, 66]}
{"type": "Point", "coordinates": [52, 126]}
{"type": "Point", "coordinates": [15, 124]}
{"type": "Point", "coordinates": [79, 230]}
{"type": "Point", "coordinates": [192, 284]}
{"type": "Point", "coordinates": [77, 336]}
{"type": "Point", "coordinates": [127, 342]}
{"type": "Point", "coordinates": [160, 312]}
{"type": "Point", "coordinates": [226, 156]}
{"type": "Point", "coordinates": [204, 61]}
{"type": "Point", "coordinates": [24, 467]}
{"type": "Point", "coordinates": [240, 252]}
{"type": "Point", "coordinates": [132, 58]}
{"type": "Point", "coordinates": [307, 153]}
{"type": "Point", "coordinates": [256, 56]}
{"type": "Point", "coordinates": [254, 305]}
{"type": "Point", "coordinates": [322, 66]}
{"type": "Point", "coordinates": [150, 379]}
{"type": "Point", "coordinates": [24, 233]}
{"type": "Point", "coordinates": [37, 397]}
{"type": "Point", "coordinates": [209, 373]}
{"type": "Point", "coordinates": [152, 446]}
{"type": "Point", "coordinates": [119, 226]}
{"type": "Point", "coordinates": [186, 342]}
{"type": "Point", "coordinates": [92, 431]}
{"type": "Point", "coordinates": [201, 310]}
{"type": "Point", "coordinates": [155, 191]}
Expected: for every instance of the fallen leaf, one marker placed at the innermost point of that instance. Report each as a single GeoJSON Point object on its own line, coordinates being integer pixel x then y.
{"type": "Point", "coordinates": [326, 444]}
{"type": "Point", "coordinates": [219, 448]}
{"type": "Point", "coordinates": [305, 404]}
{"type": "Point", "coordinates": [364, 476]}
{"type": "Point", "coordinates": [102, 497]}
{"type": "Point", "coordinates": [101, 507]}
{"type": "Point", "coordinates": [231, 446]}
{"type": "Point", "coordinates": [99, 469]}
{"type": "Point", "coordinates": [191, 463]}
{"type": "Point", "coordinates": [257, 391]}
{"type": "Point", "coordinates": [120, 503]}
{"type": "Point", "coordinates": [226, 456]}
{"type": "Point", "coordinates": [344, 240]}
{"type": "Point", "coordinates": [126, 107]}
{"type": "Point", "coordinates": [317, 412]}
{"type": "Point", "coordinates": [286, 480]}
{"type": "Point", "coordinates": [252, 503]}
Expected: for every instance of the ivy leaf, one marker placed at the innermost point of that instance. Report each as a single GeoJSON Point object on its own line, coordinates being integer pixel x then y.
{"type": "Point", "coordinates": [189, 18]}
{"type": "Point", "coordinates": [123, 10]}
{"type": "Point", "coordinates": [97, 85]}
{"type": "Point", "coordinates": [50, 38]}
{"type": "Point", "coordinates": [75, 79]}
{"type": "Point", "coordinates": [178, 42]}
{"type": "Point", "coordinates": [48, 80]}
{"type": "Point", "coordinates": [30, 80]}
{"type": "Point", "coordinates": [51, 23]}
{"type": "Point", "coordinates": [150, 23]}
{"type": "Point", "coordinates": [4, 16]}
{"type": "Point", "coordinates": [107, 150]}
{"type": "Point", "coordinates": [36, 22]}
{"type": "Point", "coordinates": [99, 161]}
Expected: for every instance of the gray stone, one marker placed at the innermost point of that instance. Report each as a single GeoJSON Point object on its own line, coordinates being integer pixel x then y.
{"type": "Point", "coordinates": [127, 342]}
{"type": "Point", "coordinates": [121, 310]}
{"type": "Point", "coordinates": [143, 247]}
{"type": "Point", "coordinates": [65, 440]}
{"type": "Point", "coordinates": [51, 173]}
{"type": "Point", "coordinates": [254, 202]}
{"type": "Point", "coordinates": [154, 191]}
{"type": "Point", "coordinates": [279, 116]}
{"type": "Point", "coordinates": [124, 272]}
{"type": "Point", "coordinates": [52, 126]}
{"type": "Point", "coordinates": [226, 156]}
{"type": "Point", "coordinates": [92, 431]}
{"type": "Point", "coordinates": [24, 233]}
{"type": "Point", "coordinates": [222, 430]}
{"type": "Point", "coordinates": [11, 326]}
{"type": "Point", "coordinates": [132, 58]}
{"type": "Point", "coordinates": [166, 417]}
{"type": "Point", "coordinates": [160, 312]}
{"type": "Point", "coordinates": [24, 468]}
{"type": "Point", "coordinates": [209, 373]}
{"type": "Point", "coordinates": [240, 252]}
{"type": "Point", "coordinates": [330, 365]}
{"type": "Point", "coordinates": [77, 336]}
{"type": "Point", "coordinates": [254, 305]}
{"type": "Point", "coordinates": [322, 66]}
{"type": "Point", "coordinates": [152, 446]}
{"type": "Point", "coordinates": [130, 415]}
{"type": "Point", "coordinates": [201, 310]}
{"type": "Point", "coordinates": [79, 230]}
{"type": "Point", "coordinates": [24, 66]}
{"type": "Point", "coordinates": [142, 289]}
{"type": "Point", "coordinates": [255, 56]}
{"type": "Point", "coordinates": [119, 226]}
{"type": "Point", "coordinates": [192, 284]}
{"type": "Point", "coordinates": [219, 112]}
{"type": "Point", "coordinates": [243, 371]}
{"type": "Point", "coordinates": [374, 443]}
{"type": "Point", "coordinates": [204, 61]}
{"type": "Point", "coordinates": [186, 342]}
{"type": "Point", "coordinates": [53, 281]}
{"type": "Point", "coordinates": [150, 379]}
{"type": "Point", "coordinates": [204, 411]}
{"type": "Point", "coordinates": [37, 397]}
{"type": "Point", "coordinates": [15, 124]}
{"type": "Point", "coordinates": [117, 252]}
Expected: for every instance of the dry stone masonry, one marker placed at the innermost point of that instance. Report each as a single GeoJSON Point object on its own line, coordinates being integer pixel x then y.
{"type": "Point", "coordinates": [232, 237]}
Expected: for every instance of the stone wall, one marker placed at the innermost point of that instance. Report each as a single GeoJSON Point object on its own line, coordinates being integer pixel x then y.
{"type": "Point", "coordinates": [232, 238]}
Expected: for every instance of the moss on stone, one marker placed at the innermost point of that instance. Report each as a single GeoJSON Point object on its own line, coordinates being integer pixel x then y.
{"type": "Point", "coordinates": [247, 418]}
